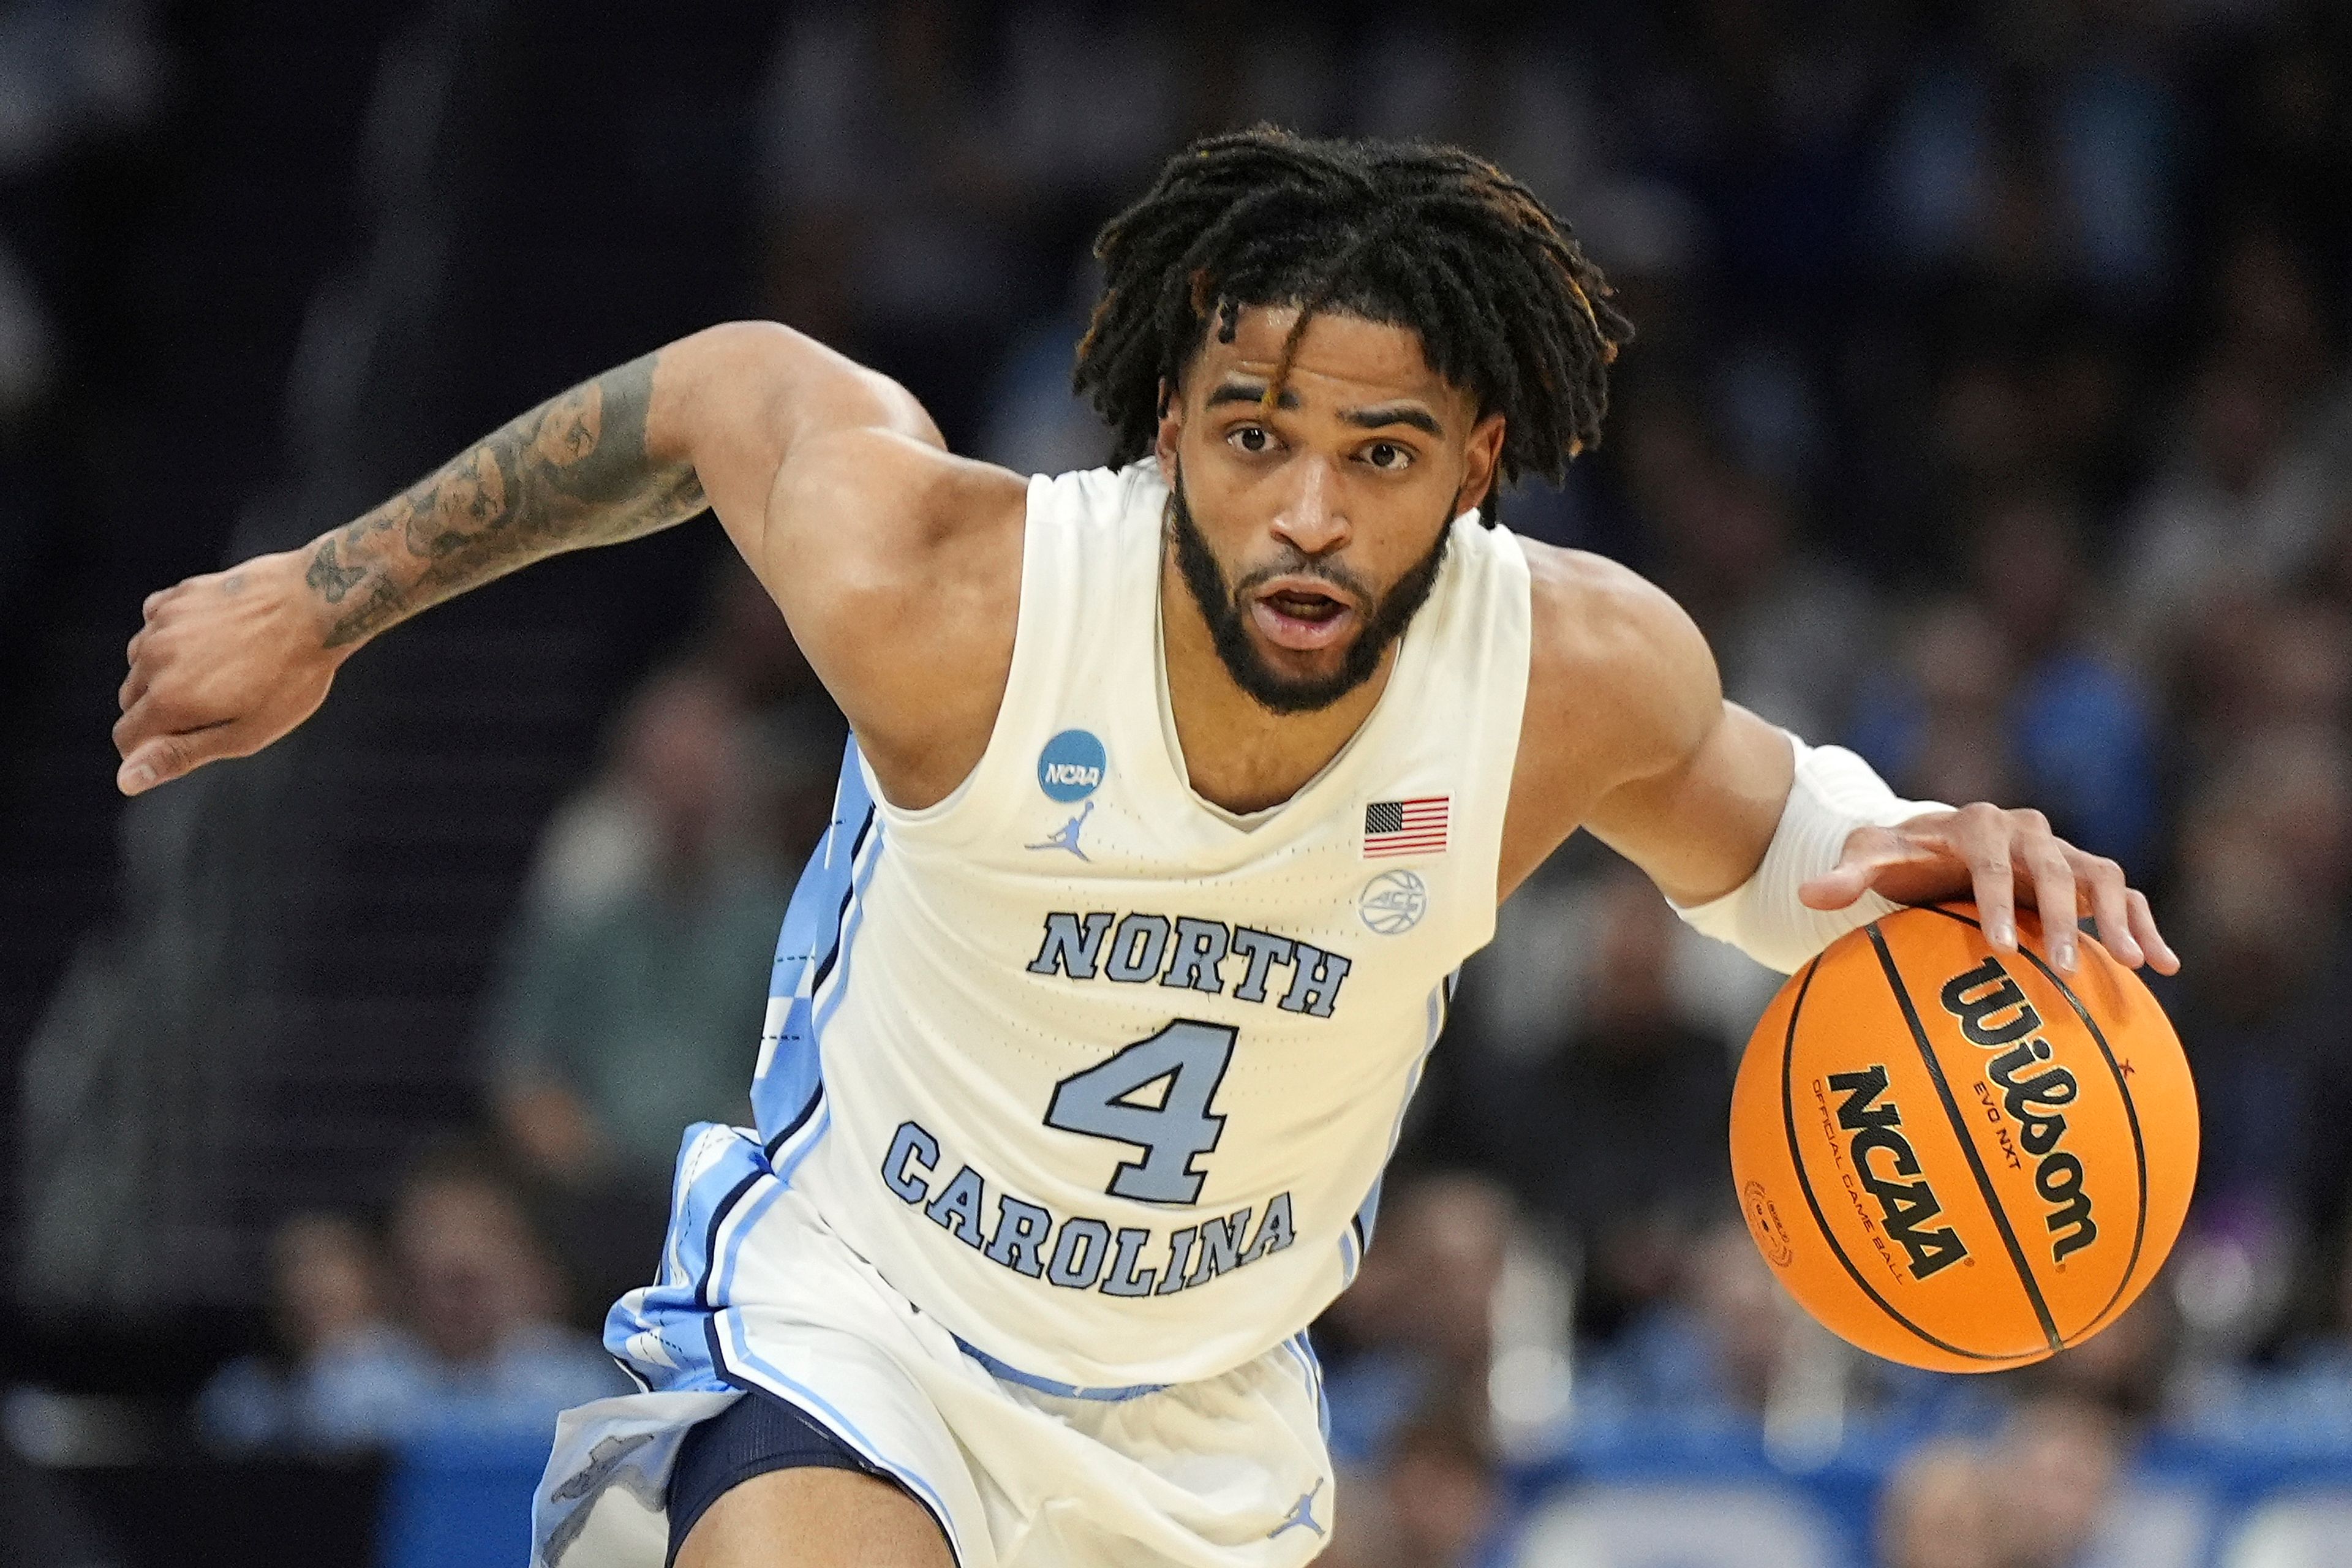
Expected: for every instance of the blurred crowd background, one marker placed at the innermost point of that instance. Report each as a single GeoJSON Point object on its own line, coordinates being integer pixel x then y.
{"type": "Point", "coordinates": [1991, 412]}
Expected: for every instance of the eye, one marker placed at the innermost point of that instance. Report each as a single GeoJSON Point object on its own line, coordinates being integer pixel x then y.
{"type": "Point", "coordinates": [1253, 439]}
{"type": "Point", "coordinates": [1387, 457]}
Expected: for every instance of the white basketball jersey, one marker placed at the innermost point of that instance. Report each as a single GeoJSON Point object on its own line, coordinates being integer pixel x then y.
{"type": "Point", "coordinates": [1095, 1074]}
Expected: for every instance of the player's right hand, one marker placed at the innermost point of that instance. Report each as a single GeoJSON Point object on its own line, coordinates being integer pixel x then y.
{"type": "Point", "coordinates": [223, 664]}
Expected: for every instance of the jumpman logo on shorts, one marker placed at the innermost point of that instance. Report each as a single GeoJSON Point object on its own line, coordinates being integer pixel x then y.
{"type": "Point", "coordinates": [1302, 1514]}
{"type": "Point", "coordinates": [1066, 836]}
{"type": "Point", "coordinates": [611, 1463]}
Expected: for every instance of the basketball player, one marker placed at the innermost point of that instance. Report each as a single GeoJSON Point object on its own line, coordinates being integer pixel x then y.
{"type": "Point", "coordinates": [1179, 792]}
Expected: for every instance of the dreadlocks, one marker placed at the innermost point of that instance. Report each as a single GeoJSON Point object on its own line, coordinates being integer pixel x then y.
{"type": "Point", "coordinates": [1414, 235]}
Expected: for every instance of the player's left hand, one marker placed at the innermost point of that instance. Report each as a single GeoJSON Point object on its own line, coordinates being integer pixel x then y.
{"type": "Point", "coordinates": [2003, 860]}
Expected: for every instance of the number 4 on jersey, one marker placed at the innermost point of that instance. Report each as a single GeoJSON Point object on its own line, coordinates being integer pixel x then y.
{"type": "Point", "coordinates": [1101, 1103]}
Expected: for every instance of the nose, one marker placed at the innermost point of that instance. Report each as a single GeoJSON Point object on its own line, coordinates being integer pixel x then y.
{"type": "Point", "coordinates": [1313, 522]}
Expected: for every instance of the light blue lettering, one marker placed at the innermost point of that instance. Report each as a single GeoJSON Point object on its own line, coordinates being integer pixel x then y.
{"type": "Point", "coordinates": [1221, 1246]}
{"type": "Point", "coordinates": [1315, 982]}
{"type": "Point", "coordinates": [957, 1208]}
{"type": "Point", "coordinates": [898, 1164]}
{"type": "Point", "coordinates": [1079, 1254]}
{"type": "Point", "coordinates": [1137, 950]}
{"type": "Point", "coordinates": [1200, 948]}
{"type": "Point", "coordinates": [1264, 949]}
{"type": "Point", "coordinates": [1020, 1229]}
{"type": "Point", "coordinates": [1068, 948]}
{"type": "Point", "coordinates": [1275, 1232]}
{"type": "Point", "coordinates": [1180, 1258]}
{"type": "Point", "coordinates": [1122, 1278]}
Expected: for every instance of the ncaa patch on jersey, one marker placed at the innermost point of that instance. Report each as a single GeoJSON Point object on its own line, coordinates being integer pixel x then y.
{"type": "Point", "coordinates": [1072, 765]}
{"type": "Point", "coordinates": [1394, 902]}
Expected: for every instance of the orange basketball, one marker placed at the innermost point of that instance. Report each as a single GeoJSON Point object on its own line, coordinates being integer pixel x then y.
{"type": "Point", "coordinates": [1959, 1157]}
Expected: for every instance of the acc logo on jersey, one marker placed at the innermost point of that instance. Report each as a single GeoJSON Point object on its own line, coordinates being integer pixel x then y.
{"type": "Point", "coordinates": [1394, 902]}
{"type": "Point", "coordinates": [1072, 765]}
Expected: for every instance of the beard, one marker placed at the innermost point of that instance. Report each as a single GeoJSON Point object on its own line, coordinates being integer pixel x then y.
{"type": "Point", "coordinates": [1385, 616]}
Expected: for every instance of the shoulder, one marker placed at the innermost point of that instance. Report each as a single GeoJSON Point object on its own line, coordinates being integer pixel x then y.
{"type": "Point", "coordinates": [1621, 683]}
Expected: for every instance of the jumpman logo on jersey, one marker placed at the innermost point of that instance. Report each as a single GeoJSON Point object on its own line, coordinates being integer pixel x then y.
{"type": "Point", "coordinates": [1302, 1514]}
{"type": "Point", "coordinates": [1066, 836]}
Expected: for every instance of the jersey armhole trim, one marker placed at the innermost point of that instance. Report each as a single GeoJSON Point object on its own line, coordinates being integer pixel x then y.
{"type": "Point", "coordinates": [1513, 713]}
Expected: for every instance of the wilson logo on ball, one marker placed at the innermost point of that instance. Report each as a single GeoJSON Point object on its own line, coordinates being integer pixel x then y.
{"type": "Point", "coordinates": [1903, 1204]}
{"type": "Point", "coordinates": [1979, 999]}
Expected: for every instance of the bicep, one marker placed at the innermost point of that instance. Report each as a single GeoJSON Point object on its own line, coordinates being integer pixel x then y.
{"type": "Point", "coordinates": [1627, 734]}
{"type": "Point", "coordinates": [1699, 826]}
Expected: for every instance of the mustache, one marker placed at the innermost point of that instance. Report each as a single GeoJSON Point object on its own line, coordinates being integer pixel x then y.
{"type": "Point", "coordinates": [1295, 563]}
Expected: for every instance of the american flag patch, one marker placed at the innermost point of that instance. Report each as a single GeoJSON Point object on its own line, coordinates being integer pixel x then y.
{"type": "Point", "coordinates": [1406, 827]}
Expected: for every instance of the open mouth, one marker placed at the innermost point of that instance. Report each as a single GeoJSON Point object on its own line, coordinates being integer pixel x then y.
{"type": "Point", "coordinates": [1295, 613]}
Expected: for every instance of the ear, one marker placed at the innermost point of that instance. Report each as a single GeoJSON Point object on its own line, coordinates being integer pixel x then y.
{"type": "Point", "coordinates": [1480, 457]}
{"type": "Point", "coordinates": [1171, 429]}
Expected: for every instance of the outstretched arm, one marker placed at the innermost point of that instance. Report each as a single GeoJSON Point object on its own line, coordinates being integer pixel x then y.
{"type": "Point", "coordinates": [755, 420]}
{"type": "Point", "coordinates": [577, 470]}
{"type": "Point", "coordinates": [1753, 836]}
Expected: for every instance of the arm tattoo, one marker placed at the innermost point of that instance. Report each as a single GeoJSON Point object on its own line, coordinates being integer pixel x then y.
{"type": "Point", "coordinates": [571, 473]}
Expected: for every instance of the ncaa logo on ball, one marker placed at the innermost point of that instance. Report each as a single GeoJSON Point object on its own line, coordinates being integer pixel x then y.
{"type": "Point", "coordinates": [1072, 765]}
{"type": "Point", "coordinates": [1394, 902]}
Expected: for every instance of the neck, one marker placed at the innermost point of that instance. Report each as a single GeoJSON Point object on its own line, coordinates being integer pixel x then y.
{"type": "Point", "coordinates": [1236, 754]}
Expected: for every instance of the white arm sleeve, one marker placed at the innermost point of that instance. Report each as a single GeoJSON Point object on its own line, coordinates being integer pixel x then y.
{"type": "Point", "coordinates": [1835, 793]}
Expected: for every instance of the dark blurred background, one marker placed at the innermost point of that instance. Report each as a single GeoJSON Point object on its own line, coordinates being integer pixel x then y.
{"type": "Point", "coordinates": [1989, 413]}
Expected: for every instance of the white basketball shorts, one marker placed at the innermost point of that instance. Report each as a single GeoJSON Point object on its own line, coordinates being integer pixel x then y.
{"type": "Point", "coordinates": [1227, 1472]}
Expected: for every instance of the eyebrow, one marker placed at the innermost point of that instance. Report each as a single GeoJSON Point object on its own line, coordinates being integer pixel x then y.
{"type": "Point", "coordinates": [1377, 417]}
